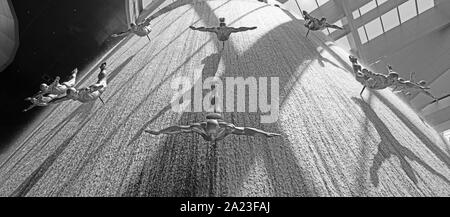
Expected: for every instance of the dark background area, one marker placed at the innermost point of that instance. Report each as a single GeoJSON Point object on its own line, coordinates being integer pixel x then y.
{"type": "Point", "coordinates": [55, 37]}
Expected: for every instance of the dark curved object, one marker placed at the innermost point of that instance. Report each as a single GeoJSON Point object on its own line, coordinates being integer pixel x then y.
{"type": "Point", "coordinates": [16, 38]}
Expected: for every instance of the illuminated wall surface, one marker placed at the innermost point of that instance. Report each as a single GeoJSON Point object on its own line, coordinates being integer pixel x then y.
{"type": "Point", "coordinates": [410, 35]}
{"type": "Point", "coordinates": [333, 141]}
{"type": "Point", "coordinates": [7, 33]}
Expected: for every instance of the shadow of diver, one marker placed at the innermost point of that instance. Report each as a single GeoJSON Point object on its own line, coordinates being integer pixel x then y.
{"type": "Point", "coordinates": [389, 146]}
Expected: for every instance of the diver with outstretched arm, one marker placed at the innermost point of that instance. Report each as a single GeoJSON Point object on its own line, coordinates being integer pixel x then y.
{"type": "Point", "coordinates": [142, 30]}
{"type": "Point", "coordinates": [87, 94]}
{"type": "Point", "coordinates": [40, 101]}
{"type": "Point", "coordinates": [406, 87]}
{"type": "Point", "coordinates": [375, 81]}
{"type": "Point", "coordinates": [55, 88]}
{"type": "Point", "coordinates": [49, 94]}
{"type": "Point", "coordinates": [315, 24]}
{"type": "Point", "coordinates": [222, 31]}
{"type": "Point", "coordinates": [213, 129]}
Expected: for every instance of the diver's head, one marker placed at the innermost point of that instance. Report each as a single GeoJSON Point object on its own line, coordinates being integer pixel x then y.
{"type": "Point", "coordinates": [323, 19]}
{"type": "Point", "coordinates": [103, 66]}
{"type": "Point", "coordinates": [422, 83]}
{"type": "Point", "coordinates": [44, 87]}
{"type": "Point", "coordinates": [222, 22]}
{"type": "Point", "coordinates": [132, 25]}
{"type": "Point", "coordinates": [390, 67]}
{"type": "Point", "coordinates": [72, 93]}
{"type": "Point", "coordinates": [365, 72]}
{"type": "Point", "coordinates": [392, 77]}
{"type": "Point", "coordinates": [212, 126]}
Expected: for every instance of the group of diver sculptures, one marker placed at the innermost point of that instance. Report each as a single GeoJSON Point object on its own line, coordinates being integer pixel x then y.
{"type": "Point", "coordinates": [214, 128]}
{"type": "Point", "coordinates": [378, 81]}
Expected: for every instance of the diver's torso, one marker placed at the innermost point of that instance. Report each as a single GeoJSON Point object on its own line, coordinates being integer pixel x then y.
{"type": "Point", "coordinates": [315, 25]}
{"type": "Point", "coordinates": [223, 33]}
{"type": "Point", "coordinates": [378, 83]}
{"type": "Point", "coordinates": [58, 89]}
{"type": "Point", "coordinates": [86, 95]}
{"type": "Point", "coordinates": [221, 133]}
{"type": "Point", "coordinates": [142, 30]}
{"type": "Point", "coordinates": [361, 78]}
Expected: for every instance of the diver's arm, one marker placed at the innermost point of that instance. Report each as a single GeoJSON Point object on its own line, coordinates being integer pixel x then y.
{"type": "Point", "coordinates": [333, 26]}
{"type": "Point", "coordinates": [242, 29]}
{"type": "Point", "coordinates": [121, 34]}
{"type": "Point", "coordinates": [429, 94]}
{"type": "Point", "coordinates": [203, 29]}
{"type": "Point", "coordinates": [177, 129]}
{"type": "Point", "coordinates": [29, 108]}
{"type": "Point", "coordinates": [249, 131]}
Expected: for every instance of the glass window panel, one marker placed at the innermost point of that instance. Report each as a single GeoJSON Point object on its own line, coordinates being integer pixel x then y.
{"type": "Point", "coordinates": [368, 7]}
{"type": "Point", "coordinates": [308, 5]}
{"type": "Point", "coordinates": [407, 10]}
{"type": "Point", "coordinates": [424, 5]}
{"type": "Point", "coordinates": [390, 19]}
{"type": "Point", "coordinates": [145, 3]}
{"type": "Point", "coordinates": [374, 28]}
{"type": "Point", "coordinates": [343, 43]}
{"type": "Point", "coordinates": [380, 2]}
{"type": "Point", "coordinates": [356, 14]}
{"type": "Point", "coordinates": [338, 23]}
{"type": "Point", "coordinates": [321, 2]}
{"type": "Point", "coordinates": [362, 35]}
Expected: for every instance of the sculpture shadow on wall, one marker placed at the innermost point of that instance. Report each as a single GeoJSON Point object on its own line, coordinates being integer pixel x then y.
{"type": "Point", "coordinates": [389, 146]}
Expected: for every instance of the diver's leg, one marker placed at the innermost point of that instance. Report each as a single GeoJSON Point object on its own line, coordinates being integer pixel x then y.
{"type": "Point", "coordinates": [29, 108]}
{"type": "Point", "coordinates": [362, 91]}
{"type": "Point", "coordinates": [429, 94]}
{"type": "Point", "coordinates": [72, 79]}
{"type": "Point", "coordinates": [101, 100]}
{"type": "Point", "coordinates": [102, 80]}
